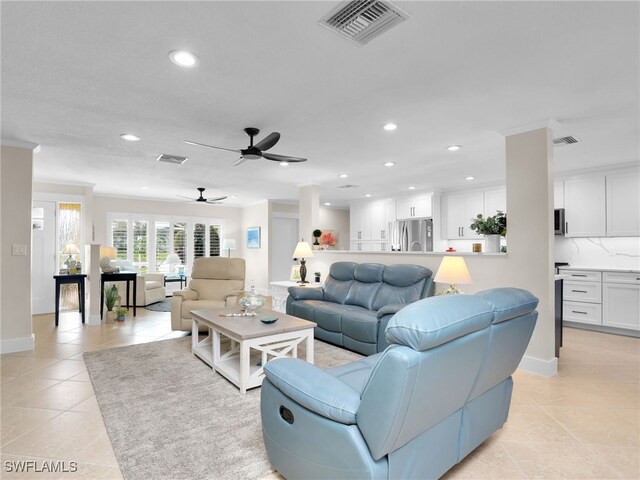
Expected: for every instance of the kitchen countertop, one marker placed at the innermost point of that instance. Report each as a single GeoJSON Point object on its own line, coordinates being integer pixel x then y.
{"type": "Point", "coordinates": [370, 252]}
{"type": "Point", "coordinates": [603, 269]}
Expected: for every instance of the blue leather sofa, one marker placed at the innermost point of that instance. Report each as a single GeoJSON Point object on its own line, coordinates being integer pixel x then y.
{"type": "Point", "coordinates": [440, 389]}
{"type": "Point", "coordinates": [354, 306]}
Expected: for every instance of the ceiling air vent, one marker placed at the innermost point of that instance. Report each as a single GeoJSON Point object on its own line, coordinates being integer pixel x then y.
{"type": "Point", "coordinates": [175, 159]}
{"type": "Point", "coordinates": [561, 142]}
{"type": "Point", "coordinates": [363, 20]}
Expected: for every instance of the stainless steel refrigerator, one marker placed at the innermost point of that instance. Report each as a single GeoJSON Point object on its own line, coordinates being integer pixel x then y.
{"type": "Point", "coordinates": [415, 235]}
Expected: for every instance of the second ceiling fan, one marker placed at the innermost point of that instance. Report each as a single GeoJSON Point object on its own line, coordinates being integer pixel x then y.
{"type": "Point", "coordinates": [259, 150]}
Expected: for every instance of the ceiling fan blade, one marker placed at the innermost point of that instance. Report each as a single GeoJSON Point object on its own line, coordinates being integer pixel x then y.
{"type": "Point", "coordinates": [238, 162]}
{"type": "Point", "coordinates": [213, 203]}
{"type": "Point", "coordinates": [215, 200]}
{"type": "Point", "coordinates": [210, 146]}
{"type": "Point", "coordinates": [282, 158]}
{"type": "Point", "coordinates": [267, 142]}
{"type": "Point", "coordinates": [182, 196]}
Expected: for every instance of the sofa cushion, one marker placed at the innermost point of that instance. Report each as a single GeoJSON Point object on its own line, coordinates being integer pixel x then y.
{"type": "Point", "coordinates": [402, 284]}
{"type": "Point", "coordinates": [361, 325]}
{"type": "Point", "coordinates": [329, 315]}
{"type": "Point", "coordinates": [152, 284]}
{"type": "Point", "coordinates": [436, 320]}
{"type": "Point", "coordinates": [339, 281]}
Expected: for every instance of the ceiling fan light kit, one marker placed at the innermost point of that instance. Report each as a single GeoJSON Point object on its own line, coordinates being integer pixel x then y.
{"type": "Point", "coordinates": [254, 152]}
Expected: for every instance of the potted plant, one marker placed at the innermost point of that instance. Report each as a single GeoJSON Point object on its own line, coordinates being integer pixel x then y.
{"type": "Point", "coordinates": [317, 275]}
{"type": "Point", "coordinates": [492, 227]}
{"type": "Point", "coordinates": [316, 235]}
{"type": "Point", "coordinates": [121, 312]}
{"type": "Point", "coordinates": [110, 299]}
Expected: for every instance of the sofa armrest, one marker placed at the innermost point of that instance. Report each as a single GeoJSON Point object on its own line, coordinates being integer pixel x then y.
{"type": "Point", "coordinates": [187, 294]}
{"type": "Point", "coordinates": [314, 389]}
{"type": "Point", "coordinates": [234, 296]}
{"type": "Point", "coordinates": [154, 277]}
{"type": "Point", "coordinates": [390, 309]}
{"type": "Point", "coordinates": [304, 293]}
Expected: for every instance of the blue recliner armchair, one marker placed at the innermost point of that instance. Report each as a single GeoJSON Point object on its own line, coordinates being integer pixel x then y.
{"type": "Point", "coordinates": [440, 389]}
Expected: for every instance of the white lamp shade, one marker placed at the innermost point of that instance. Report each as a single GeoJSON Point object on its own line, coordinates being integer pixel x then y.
{"type": "Point", "coordinates": [453, 270]}
{"type": "Point", "coordinates": [303, 250]}
{"type": "Point", "coordinates": [228, 244]}
{"type": "Point", "coordinates": [109, 252]}
{"type": "Point", "coordinates": [173, 259]}
{"type": "Point", "coordinates": [71, 249]}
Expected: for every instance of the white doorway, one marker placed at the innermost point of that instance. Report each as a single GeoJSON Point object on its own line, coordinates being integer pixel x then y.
{"type": "Point", "coordinates": [284, 241]}
{"type": "Point", "coordinates": [43, 257]}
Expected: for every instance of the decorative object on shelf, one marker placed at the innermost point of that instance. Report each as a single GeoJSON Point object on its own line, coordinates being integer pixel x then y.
{"type": "Point", "coordinates": [302, 251]}
{"type": "Point", "coordinates": [110, 299]}
{"type": "Point", "coordinates": [328, 239]}
{"type": "Point", "coordinates": [253, 237]}
{"type": "Point", "coordinates": [172, 260]}
{"type": "Point", "coordinates": [228, 244]}
{"type": "Point", "coordinates": [268, 319]}
{"type": "Point", "coordinates": [316, 237]}
{"type": "Point", "coordinates": [492, 227]}
{"type": "Point", "coordinates": [106, 255]}
{"type": "Point", "coordinates": [477, 247]}
{"type": "Point", "coordinates": [452, 270]}
{"type": "Point", "coordinates": [295, 273]}
{"type": "Point", "coordinates": [70, 249]}
{"type": "Point", "coordinates": [252, 301]}
{"type": "Point", "coordinates": [121, 312]}
{"type": "Point", "coordinates": [450, 249]}
{"type": "Point", "coordinates": [317, 275]}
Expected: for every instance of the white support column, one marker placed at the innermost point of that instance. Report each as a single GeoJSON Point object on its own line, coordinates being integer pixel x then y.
{"type": "Point", "coordinates": [309, 211]}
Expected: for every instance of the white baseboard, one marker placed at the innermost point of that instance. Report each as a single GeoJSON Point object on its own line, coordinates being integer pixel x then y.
{"type": "Point", "coordinates": [11, 345]}
{"type": "Point", "coordinates": [94, 319]}
{"type": "Point", "coordinates": [546, 368]}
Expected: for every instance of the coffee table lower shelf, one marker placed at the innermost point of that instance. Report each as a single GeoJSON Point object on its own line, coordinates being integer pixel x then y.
{"type": "Point", "coordinates": [242, 361]}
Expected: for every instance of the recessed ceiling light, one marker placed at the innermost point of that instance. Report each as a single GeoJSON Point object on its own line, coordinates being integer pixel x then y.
{"type": "Point", "coordinates": [184, 59]}
{"type": "Point", "coordinates": [233, 196]}
{"type": "Point", "coordinates": [144, 188]}
{"type": "Point", "coordinates": [368, 195]}
{"type": "Point", "coordinates": [130, 137]}
{"type": "Point", "coordinates": [284, 164]}
{"type": "Point", "coordinates": [469, 178]}
{"type": "Point", "coordinates": [343, 175]}
{"type": "Point", "coordinates": [412, 187]}
{"type": "Point", "coordinates": [390, 127]}
{"type": "Point", "coordinates": [327, 203]}
{"type": "Point", "coordinates": [453, 148]}
{"type": "Point", "coordinates": [389, 164]}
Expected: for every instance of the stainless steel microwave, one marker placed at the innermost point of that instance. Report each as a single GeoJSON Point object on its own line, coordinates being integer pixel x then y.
{"type": "Point", "coordinates": [559, 224]}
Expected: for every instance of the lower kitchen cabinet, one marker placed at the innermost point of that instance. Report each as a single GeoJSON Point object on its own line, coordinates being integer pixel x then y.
{"type": "Point", "coordinates": [621, 300]}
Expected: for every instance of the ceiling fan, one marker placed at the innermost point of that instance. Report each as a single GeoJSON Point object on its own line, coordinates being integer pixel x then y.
{"type": "Point", "coordinates": [201, 199]}
{"type": "Point", "coordinates": [253, 152]}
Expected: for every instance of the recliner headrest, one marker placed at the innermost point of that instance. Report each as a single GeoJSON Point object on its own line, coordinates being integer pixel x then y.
{"type": "Point", "coordinates": [405, 275]}
{"type": "Point", "coordinates": [508, 302]}
{"type": "Point", "coordinates": [342, 270]}
{"type": "Point", "coordinates": [218, 268]}
{"type": "Point", "coordinates": [368, 272]}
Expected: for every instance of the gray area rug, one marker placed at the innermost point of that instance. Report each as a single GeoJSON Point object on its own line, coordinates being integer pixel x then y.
{"type": "Point", "coordinates": [161, 306]}
{"type": "Point", "coordinates": [170, 417]}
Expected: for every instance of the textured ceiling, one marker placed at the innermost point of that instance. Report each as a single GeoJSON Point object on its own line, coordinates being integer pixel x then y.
{"type": "Point", "coordinates": [75, 75]}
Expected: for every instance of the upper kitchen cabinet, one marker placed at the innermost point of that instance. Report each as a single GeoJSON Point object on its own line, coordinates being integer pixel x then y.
{"type": "Point", "coordinates": [458, 211]}
{"type": "Point", "coordinates": [419, 206]}
{"type": "Point", "coordinates": [378, 221]}
{"type": "Point", "coordinates": [360, 221]}
{"type": "Point", "coordinates": [558, 195]}
{"type": "Point", "coordinates": [495, 200]}
{"type": "Point", "coordinates": [623, 205]}
{"type": "Point", "coordinates": [585, 207]}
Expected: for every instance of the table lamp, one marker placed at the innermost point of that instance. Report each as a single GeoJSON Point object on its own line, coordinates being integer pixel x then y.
{"type": "Point", "coordinates": [228, 244]}
{"type": "Point", "coordinates": [70, 249]}
{"type": "Point", "coordinates": [302, 251]}
{"type": "Point", "coordinates": [172, 260]}
{"type": "Point", "coordinates": [106, 255]}
{"type": "Point", "coordinates": [452, 270]}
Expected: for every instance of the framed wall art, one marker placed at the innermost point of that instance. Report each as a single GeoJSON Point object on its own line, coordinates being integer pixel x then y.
{"type": "Point", "coordinates": [253, 237]}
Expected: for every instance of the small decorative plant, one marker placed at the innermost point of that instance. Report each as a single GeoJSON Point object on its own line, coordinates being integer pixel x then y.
{"type": "Point", "coordinates": [316, 236]}
{"type": "Point", "coordinates": [317, 275]}
{"type": "Point", "coordinates": [493, 225]}
{"type": "Point", "coordinates": [111, 297]}
{"type": "Point", "coordinates": [121, 312]}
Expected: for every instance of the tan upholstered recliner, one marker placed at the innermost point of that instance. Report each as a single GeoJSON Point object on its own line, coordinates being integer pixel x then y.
{"type": "Point", "coordinates": [215, 282]}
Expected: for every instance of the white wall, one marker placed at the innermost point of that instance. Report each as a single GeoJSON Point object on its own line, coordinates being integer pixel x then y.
{"type": "Point", "coordinates": [16, 167]}
{"type": "Point", "coordinates": [335, 219]}
{"type": "Point", "coordinates": [600, 252]}
{"type": "Point", "coordinates": [257, 267]}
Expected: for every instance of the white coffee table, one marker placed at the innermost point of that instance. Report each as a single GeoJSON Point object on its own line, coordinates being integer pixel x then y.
{"type": "Point", "coordinates": [276, 340]}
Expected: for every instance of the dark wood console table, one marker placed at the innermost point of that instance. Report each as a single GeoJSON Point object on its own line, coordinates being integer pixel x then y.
{"type": "Point", "coordinates": [78, 279]}
{"type": "Point", "coordinates": [119, 277]}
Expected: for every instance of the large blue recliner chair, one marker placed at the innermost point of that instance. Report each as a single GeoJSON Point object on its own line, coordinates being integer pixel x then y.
{"type": "Point", "coordinates": [358, 300]}
{"type": "Point", "coordinates": [440, 389]}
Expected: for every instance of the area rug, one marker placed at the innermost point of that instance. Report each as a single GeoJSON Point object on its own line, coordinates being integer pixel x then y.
{"type": "Point", "coordinates": [161, 306]}
{"type": "Point", "coordinates": [170, 417]}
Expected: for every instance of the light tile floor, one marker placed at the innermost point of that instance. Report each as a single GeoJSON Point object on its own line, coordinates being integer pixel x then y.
{"type": "Point", "coordinates": [582, 424]}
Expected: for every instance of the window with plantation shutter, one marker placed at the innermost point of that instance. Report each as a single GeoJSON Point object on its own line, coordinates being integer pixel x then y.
{"type": "Point", "coordinates": [180, 241]}
{"type": "Point", "coordinates": [119, 238]}
{"type": "Point", "coordinates": [214, 240]}
{"type": "Point", "coordinates": [140, 238]}
{"type": "Point", "coordinates": [163, 244]}
{"type": "Point", "coordinates": [199, 240]}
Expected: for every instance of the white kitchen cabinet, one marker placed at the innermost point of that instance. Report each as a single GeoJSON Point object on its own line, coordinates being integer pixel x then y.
{"type": "Point", "coordinates": [380, 247]}
{"type": "Point", "coordinates": [378, 221]}
{"type": "Point", "coordinates": [419, 206]}
{"type": "Point", "coordinates": [361, 246]}
{"type": "Point", "coordinates": [621, 300]}
{"type": "Point", "coordinates": [360, 221]}
{"type": "Point", "coordinates": [495, 200]}
{"type": "Point", "coordinates": [582, 296]}
{"type": "Point", "coordinates": [458, 212]}
{"type": "Point", "coordinates": [623, 205]}
{"type": "Point", "coordinates": [585, 207]}
{"type": "Point", "coordinates": [558, 195]}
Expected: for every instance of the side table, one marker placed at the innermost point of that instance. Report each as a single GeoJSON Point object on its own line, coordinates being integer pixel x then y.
{"type": "Point", "coordinates": [118, 277]}
{"type": "Point", "coordinates": [77, 279]}
{"type": "Point", "coordinates": [280, 292]}
{"type": "Point", "coordinates": [182, 279]}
